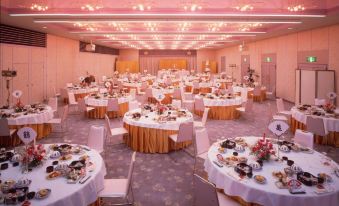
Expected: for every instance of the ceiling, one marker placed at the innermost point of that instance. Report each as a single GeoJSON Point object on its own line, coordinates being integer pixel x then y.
{"type": "Point", "coordinates": [169, 24]}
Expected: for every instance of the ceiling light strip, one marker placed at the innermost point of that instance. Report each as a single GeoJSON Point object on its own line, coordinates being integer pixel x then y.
{"type": "Point", "coordinates": [89, 33]}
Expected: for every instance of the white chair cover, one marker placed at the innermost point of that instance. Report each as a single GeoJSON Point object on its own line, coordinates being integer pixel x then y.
{"type": "Point", "coordinates": [96, 138]}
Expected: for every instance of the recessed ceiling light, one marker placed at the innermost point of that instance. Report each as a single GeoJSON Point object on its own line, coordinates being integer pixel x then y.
{"type": "Point", "coordinates": [44, 27]}
{"type": "Point", "coordinates": [289, 28]}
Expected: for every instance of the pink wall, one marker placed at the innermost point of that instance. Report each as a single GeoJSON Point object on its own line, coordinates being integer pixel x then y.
{"type": "Point", "coordinates": [287, 48]}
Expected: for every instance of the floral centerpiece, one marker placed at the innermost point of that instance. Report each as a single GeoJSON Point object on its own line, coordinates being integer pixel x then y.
{"type": "Point", "coordinates": [329, 107]}
{"type": "Point", "coordinates": [250, 77]}
{"type": "Point", "coordinates": [32, 156]}
{"type": "Point", "coordinates": [263, 149]}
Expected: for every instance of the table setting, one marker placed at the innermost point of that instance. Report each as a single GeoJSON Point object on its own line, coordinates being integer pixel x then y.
{"type": "Point", "coordinates": [150, 126]}
{"type": "Point", "coordinates": [81, 91]}
{"type": "Point", "coordinates": [270, 172]}
{"type": "Point", "coordinates": [34, 174]}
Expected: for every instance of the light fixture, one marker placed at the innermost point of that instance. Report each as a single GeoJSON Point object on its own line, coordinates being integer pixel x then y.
{"type": "Point", "coordinates": [245, 7]}
{"type": "Point", "coordinates": [296, 8]}
{"type": "Point", "coordinates": [39, 7]}
{"type": "Point", "coordinates": [142, 5]}
{"type": "Point", "coordinates": [92, 5]}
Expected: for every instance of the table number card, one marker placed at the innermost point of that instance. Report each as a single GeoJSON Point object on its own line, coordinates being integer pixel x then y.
{"type": "Point", "coordinates": [278, 127]}
{"type": "Point", "coordinates": [27, 135]}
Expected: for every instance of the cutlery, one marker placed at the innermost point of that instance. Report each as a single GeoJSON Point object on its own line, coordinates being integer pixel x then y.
{"type": "Point", "coordinates": [85, 180]}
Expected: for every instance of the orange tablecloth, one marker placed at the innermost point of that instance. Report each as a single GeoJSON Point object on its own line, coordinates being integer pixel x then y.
{"type": "Point", "coordinates": [221, 112]}
{"type": "Point", "coordinates": [100, 111]}
{"type": "Point", "coordinates": [149, 140]}
{"type": "Point", "coordinates": [332, 138]}
{"type": "Point", "coordinates": [42, 130]}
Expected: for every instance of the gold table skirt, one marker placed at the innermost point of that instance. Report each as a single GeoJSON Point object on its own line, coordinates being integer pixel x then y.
{"type": "Point", "coordinates": [260, 98]}
{"type": "Point", "coordinates": [221, 112]}
{"type": "Point", "coordinates": [42, 130]}
{"type": "Point", "coordinates": [149, 140]}
{"type": "Point", "coordinates": [100, 111]}
{"type": "Point", "coordinates": [166, 100]}
{"type": "Point", "coordinates": [77, 96]}
{"type": "Point", "coordinates": [202, 90]}
{"type": "Point", "coordinates": [332, 138]}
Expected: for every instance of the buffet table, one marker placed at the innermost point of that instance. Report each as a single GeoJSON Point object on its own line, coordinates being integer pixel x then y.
{"type": "Point", "coordinates": [266, 192]}
{"type": "Point", "coordinates": [62, 193]}
{"type": "Point", "coordinates": [331, 124]}
{"type": "Point", "coordinates": [221, 108]}
{"type": "Point", "coordinates": [35, 119]}
{"type": "Point", "coordinates": [149, 135]}
{"type": "Point", "coordinates": [100, 106]}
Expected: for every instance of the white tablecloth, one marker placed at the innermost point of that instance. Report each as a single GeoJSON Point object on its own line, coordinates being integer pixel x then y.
{"type": "Point", "coordinates": [240, 89]}
{"type": "Point", "coordinates": [131, 84]}
{"type": "Point", "coordinates": [150, 123]}
{"type": "Point", "coordinates": [37, 118]}
{"type": "Point", "coordinates": [201, 84]}
{"type": "Point", "coordinates": [331, 124]}
{"type": "Point", "coordinates": [63, 193]}
{"type": "Point", "coordinates": [221, 102]}
{"type": "Point", "coordinates": [103, 102]}
{"type": "Point", "coordinates": [268, 194]}
{"type": "Point", "coordinates": [80, 90]}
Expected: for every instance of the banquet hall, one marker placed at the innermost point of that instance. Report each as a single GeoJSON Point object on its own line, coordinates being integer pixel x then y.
{"type": "Point", "coordinates": [169, 103]}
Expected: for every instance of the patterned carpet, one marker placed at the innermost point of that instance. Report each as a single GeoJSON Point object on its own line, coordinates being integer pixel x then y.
{"type": "Point", "coordinates": [157, 179]}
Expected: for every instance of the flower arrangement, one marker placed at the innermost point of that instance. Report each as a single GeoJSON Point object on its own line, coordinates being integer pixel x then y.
{"type": "Point", "coordinates": [251, 75]}
{"type": "Point", "coordinates": [18, 106]}
{"type": "Point", "coordinates": [263, 149]}
{"type": "Point", "coordinates": [329, 107]}
{"type": "Point", "coordinates": [33, 156]}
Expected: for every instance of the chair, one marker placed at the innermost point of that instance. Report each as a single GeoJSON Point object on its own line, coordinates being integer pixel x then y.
{"type": "Point", "coordinates": [61, 121]}
{"type": "Point", "coordinates": [113, 105]}
{"type": "Point", "coordinates": [271, 94]}
{"type": "Point", "coordinates": [248, 108]}
{"type": "Point", "coordinates": [64, 93]}
{"type": "Point", "coordinates": [133, 93]}
{"type": "Point", "coordinates": [315, 125]}
{"type": "Point", "coordinates": [120, 188]}
{"type": "Point", "coordinates": [257, 93]}
{"type": "Point", "coordinates": [187, 103]}
{"type": "Point", "coordinates": [304, 138]}
{"type": "Point", "coordinates": [176, 103]}
{"type": "Point", "coordinates": [71, 100]}
{"type": "Point", "coordinates": [132, 105]}
{"type": "Point", "coordinates": [281, 107]}
{"type": "Point", "coordinates": [5, 131]}
{"type": "Point", "coordinates": [185, 133]}
{"type": "Point", "coordinates": [196, 86]}
{"type": "Point", "coordinates": [55, 93]}
{"type": "Point", "coordinates": [202, 145]}
{"type": "Point", "coordinates": [114, 132]}
{"type": "Point", "coordinates": [176, 93]}
{"type": "Point", "coordinates": [83, 107]}
{"type": "Point", "coordinates": [202, 123]}
{"type": "Point", "coordinates": [319, 102]}
{"type": "Point", "coordinates": [69, 84]}
{"type": "Point", "coordinates": [199, 104]}
{"type": "Point", "coordinates": [244, 94]}
{"type": "Point", "coordinates": [53, 103]}
{"type": "Point", "coordinates": [148, 94]}
{"type": "Point", "coordinates": [96, 137]}
{"type": "Point", "coordinates": [205, 193]}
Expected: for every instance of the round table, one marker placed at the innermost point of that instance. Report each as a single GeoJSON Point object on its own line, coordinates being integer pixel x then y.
{"type": "Point", "coordinates": [100, 106]}
{"type": "Point", "coordinates": [268, 194]}
{"type": "Point", "coordinates": [61, 192]}
{"type": "Point", "coordinates": [331, 124]}
{"type": "Point", "coordinates": [221, 108]}
{"type": "Point", "coordinates": [37, 121]}
{"type": "Point", "coordinates": [262, 97]}
{"type": "Point", "coordinates": [168, 92]}
{"type": "Point", "coordinates": [149, 136]}
{"type": "Point", "coordinates": [81, 92]}
{"type": "Point", "coordinates": [204, 87]}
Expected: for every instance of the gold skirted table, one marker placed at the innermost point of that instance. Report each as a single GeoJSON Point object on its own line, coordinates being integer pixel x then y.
{"type": "Point", "coordinates": [260, 98]}
{"type": "Point", "coordinates": [201, 90]}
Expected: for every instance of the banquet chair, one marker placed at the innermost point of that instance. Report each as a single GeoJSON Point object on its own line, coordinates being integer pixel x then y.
{"type": "Point", "coordinates": [148, 94]}
{"type": "Point", "coordinates": [257, 93]}
{"type": "Point", "coordinates": [71, 100]}
{"type": "Point", "coordinates": [281, 107]}
{"type": "Point", "coordinates": [185, 134]}
{"type": "Point", "coordinates": [62, 122]}
{"type": "Point", "coordinates": [176, 93]}
{"type": "Point", "coordinates": [199, 104]}
{"type": "Point", "coordinates": [83, 107]}
{"type": "Point", "coordinates": [202, 145]}
{"type": "Point", "coordinates": [246, 108]}
{"type": "Point", "coordinates": [202, 123]}
{"type": "Point", "coordinates": [5, 131]}
{"type": "Point", "coordinates": [244, 94]}
{"type": "Point", "coordinates": [133, 93]}
{"type": "Point", "coordinates": [132, 105]}
{"type": "Point", "coordinates": [187, 103]}
{"type": "Point", "coordinates": [53, 103]}
{"type": "Point", "coordinates": [315, 125]}
{"type": "Point", "coordinates": [120, 188]}
{"type": "Point", "coordinates": [176, 103]}
{"type": "Point", "coordinates": [113, 106]}
{"type": "Point", "coordinates": [69, 84]}
{"type": "Point", "coordinates": [96, 138]}
{"type": "Point", "coordinates": [276, 117]}
{"type": "Point", "coordinates": [205, 193]}
{"type": "Point", "coordinates": [63, 93]}
{"type": "Point", "coordinates": [304, 138]}
{"type": "Point", "coordinates": [271, 94]}
{"type": "Point", "coordinates": [113, 132]}
{"type": "Point", "coordinates": [319, 102]}
{"type": "Point", "coordinates": [195, 87]}
{"type": "Point", "coordinates": [56, 94]}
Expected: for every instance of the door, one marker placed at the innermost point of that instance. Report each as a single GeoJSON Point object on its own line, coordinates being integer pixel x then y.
{"type": "Point", "coordinates": [37, 83]}
{"type": "Point", "coordinates": [245, 64]}
{"type": "Point", "coordinates": [268, 72]}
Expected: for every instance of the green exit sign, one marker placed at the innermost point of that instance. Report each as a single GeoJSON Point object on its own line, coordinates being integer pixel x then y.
{"type": "Point", "coordinates": [268, 59]}
{"type": "Point", "coordinates": [311, 59]}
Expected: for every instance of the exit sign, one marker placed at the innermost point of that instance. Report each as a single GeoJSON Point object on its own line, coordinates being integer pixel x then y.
{"type": "Point", "coordinates": [311, 59]}
{"type": "Point", "coordinates": [268, 59]}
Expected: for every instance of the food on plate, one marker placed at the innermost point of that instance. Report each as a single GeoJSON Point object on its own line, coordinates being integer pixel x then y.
{"type": "Point", "coordinates": [53, 175]}
{"type": "Point", "coordinates": [65, 157]}
{"type": "Point", "coordinates": [260, 179]}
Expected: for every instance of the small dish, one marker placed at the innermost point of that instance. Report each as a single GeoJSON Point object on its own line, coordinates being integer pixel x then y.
{"type": "Point", "coordinates": [43, 193]}
{"type": "Point", "coordinates": [260, 179]}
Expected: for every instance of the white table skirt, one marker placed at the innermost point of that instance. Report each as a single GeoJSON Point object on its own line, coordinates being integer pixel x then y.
{"type": "Point", "coordinates": [91, 101]}
{"type": "Point", "coordinates": [63, 193]}
{"type": "Point", "coordinates": [83, 90]}
{"type": "Point", "coordinates": [38, 118]}
{"type": "Point", "coordinates": [221, 102]}
{"type": "Point", "coordinates": [150, 123]}
{"type": "Point", "coordinates": [268, 194]}
{"type": "Point", "coordinates": [331, 124]}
